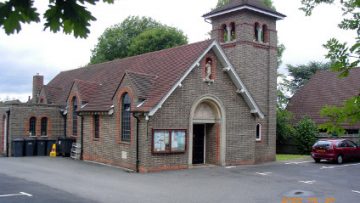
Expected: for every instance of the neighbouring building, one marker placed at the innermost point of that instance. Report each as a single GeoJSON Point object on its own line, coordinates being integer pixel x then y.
{"type": "Point", "coordinates": [210, 102]}
{"type": "Point", "coordinates": [325, 88]}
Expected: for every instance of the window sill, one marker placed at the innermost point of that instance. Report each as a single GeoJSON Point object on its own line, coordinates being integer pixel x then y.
{"type": "Point", "coordinates": [167, 153]}
{"type": "Point", "coordinates": [124, 143]}
{"type": "Point", "coordinates": [228, 44]}
{"type": "Point", "coordinates": [96, 139]}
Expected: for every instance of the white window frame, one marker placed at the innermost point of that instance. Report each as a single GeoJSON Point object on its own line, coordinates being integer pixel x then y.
{"type": "Point", "coordinates": [256, 137]}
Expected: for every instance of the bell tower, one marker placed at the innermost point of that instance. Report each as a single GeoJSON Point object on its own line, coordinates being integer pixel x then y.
{"type": "Point", "coordinates": [246, 30]}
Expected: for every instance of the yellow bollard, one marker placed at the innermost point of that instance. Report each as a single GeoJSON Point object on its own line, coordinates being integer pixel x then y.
{"type": "Point", "coordinates": [53, 151]}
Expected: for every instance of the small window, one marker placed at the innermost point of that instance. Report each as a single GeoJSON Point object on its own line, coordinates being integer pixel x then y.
{"type": "Point", "coordinates": [265, 34]}
{"type": "Point", "coordinates": [96, 126]}
{"type": "Point", "coordinates": [74, 117]}
{"type": "Point", "coordinates": [125, 118]}
{"type": "Point", "coordinates": [32, 126]}
{"type": "Point", "coordinates": [232, 32]}
{"type": "Point", "coordinates": [44, 123]}
{"type": "Point", "coordinates": [258, 132]}
{"type": "Point", "coordinates": [169, 141]}
{"type": "Point", "coordinates": [257, 31]}
{"type": "Point", "coordinates": [224, 33]}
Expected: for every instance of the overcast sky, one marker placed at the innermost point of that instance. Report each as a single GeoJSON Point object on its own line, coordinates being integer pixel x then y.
{"type": "Point", "coordinates": [36, 51]}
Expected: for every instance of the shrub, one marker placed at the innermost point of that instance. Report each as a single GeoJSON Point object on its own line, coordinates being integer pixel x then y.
{"type": "Point", "coordinates": [305, 135]}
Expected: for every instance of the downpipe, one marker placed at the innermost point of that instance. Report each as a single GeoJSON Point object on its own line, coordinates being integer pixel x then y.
{"type": "Point", "coordinates": [136, 116]}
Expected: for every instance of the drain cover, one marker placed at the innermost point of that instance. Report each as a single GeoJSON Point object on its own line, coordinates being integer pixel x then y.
{"type": "Point", "coordinates": [299, 193]}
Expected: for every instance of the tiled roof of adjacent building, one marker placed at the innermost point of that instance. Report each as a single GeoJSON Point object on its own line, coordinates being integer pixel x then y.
{"type": "Point", "coordinates": [324, 88]}
{"type": "Point", "coordinates": [152, 74]}
{"type": "Point", "coordinates": [234, 4]}
{"type": "Point", "coordinates": [53, 94]}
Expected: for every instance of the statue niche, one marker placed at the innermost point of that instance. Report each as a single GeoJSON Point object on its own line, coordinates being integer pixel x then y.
{"type": "Point", "coordinates": [208, 69]}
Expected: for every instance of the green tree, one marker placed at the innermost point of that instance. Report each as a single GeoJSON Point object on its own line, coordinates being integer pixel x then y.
{"type": "Point", "coordinates": [156, 39]}
{"type": "Point", "coordinates": [302, 73]}
{"type": "Point", "coordinates": [343, 57]}
{"type": "Point", "coordinates": [284, 127]}
{"type": "Point", "coordinates": [349, 113]}
{"type": "Point", "coordinates": [222, 3]}
{"type": "Point", "coordinates": [268, 3]}
{"type": "Point", "coordinates": [70, 16]}
{"type": "Point", "coordinates": [127, 38]}
{"type": "Point", "coordinates": [305, 135]}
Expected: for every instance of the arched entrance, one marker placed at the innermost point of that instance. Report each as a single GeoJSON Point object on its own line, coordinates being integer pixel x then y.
{"type": "Point", "coordinates": [207, 132]}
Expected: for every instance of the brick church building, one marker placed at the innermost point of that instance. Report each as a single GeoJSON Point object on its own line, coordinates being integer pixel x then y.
{"type": "Point", "coordinates": [210, 102]}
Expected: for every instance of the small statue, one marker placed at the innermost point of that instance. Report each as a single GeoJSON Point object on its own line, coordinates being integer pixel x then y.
{"type": "Point", "coordinates": [208, 71]}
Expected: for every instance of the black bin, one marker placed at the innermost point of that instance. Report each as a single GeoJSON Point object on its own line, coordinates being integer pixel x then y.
{"type": "Point", "coordinates": [17, 147]}
{"type": "Point", "coordinates": [64, 145]}
{"type": "Point", "coordinates": [49, 144]}
{"type": "Point", "coordinates": [30, 146]}
{"type": "Point", "coordinates": [41, 147]}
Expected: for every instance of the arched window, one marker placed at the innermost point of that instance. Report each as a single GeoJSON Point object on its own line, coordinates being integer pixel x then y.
{"type": "Point", "coordinates": [32, 126]}
{"type": "Point", "coordinates": [224, 33]}
{"type": "Point", "coordinates": [125, 117]}
{"type": "Point", "coordinates": [257, 32]}
{"type": "Point", "coordinates": [258, 132]}
{"type": "Point", "coordinates": [74, 117]}
{"type": "Point", "coordinates": [265, 34]}
{"type": "Point", "coordinates": [44, 123]}
{"type": "Point", "coordinates": [232, 32]}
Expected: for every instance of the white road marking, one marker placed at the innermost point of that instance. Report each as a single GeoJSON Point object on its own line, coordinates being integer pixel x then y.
{"type": "Point", "coordinates": [229, 167]}
{"type": "Point", "coordinates": [326, 167]}
{"type": "Point", "coordinates": [263, 173]}
{"type": "Point", "coordinates": [18, 194]}
{"type": "Point", "coordinates": [356, 191]}
{"type": "Point", "coordinates": [297, 162]}
{"type": "Point", "coordinates": [26, 194]}
{"type": "Point", "coordinates": [339, 166]}
{"type": "Point", "coordinates": [310, 182]}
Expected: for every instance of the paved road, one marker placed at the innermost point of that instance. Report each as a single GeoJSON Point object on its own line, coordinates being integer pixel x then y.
{"type": "Point", "coordinates": [14, 190]}
{"type": "Point", "coordinates": [274, 182]}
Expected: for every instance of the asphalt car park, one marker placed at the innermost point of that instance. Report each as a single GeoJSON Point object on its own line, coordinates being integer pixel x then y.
{"type": "Point", "coordinates": [70, 180]}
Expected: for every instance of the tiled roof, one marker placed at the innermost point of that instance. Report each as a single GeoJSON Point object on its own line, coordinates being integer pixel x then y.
{"type": "Point", "coordinates": [257, 4]}
{"type": "Point", "coordinates": [324, 88]}
{"type": "Point", "coordinates": [142, 83]}
{"type": "Point", "coordinates": [87, 89]}
{"type": "Point", "coordinates": [157, 71]}
{"type": "Point", "coordinates": [53, 94]}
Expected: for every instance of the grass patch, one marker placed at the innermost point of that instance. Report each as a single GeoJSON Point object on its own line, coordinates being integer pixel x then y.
{"type": "Point", "coordinates": [286, 157]}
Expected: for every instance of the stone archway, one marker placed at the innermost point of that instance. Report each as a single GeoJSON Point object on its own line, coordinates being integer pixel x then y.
{"type": "Point", "coordinates": [207, 119]}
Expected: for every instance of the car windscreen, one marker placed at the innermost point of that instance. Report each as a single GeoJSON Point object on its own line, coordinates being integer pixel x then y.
{"type": "Point", "coordinates": [322, 144]}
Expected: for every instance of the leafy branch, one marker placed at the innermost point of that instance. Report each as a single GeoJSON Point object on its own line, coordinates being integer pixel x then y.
{"type": "Point", "coordinates": [70, 16]}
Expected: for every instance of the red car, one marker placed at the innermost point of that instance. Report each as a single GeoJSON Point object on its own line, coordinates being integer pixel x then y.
{"type": "Point", "coordinates": [335, 150]}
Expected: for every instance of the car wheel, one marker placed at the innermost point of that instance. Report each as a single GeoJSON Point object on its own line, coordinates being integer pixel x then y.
{"type": "Point", "coordinates": [317, 160]}
{"type": "Point", "coordinates": [339, 159]}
